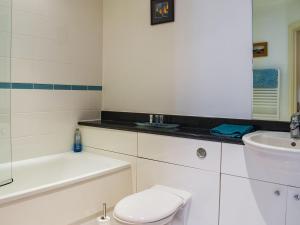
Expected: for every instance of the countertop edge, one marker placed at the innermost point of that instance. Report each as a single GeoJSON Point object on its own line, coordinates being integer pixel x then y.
{"type": "Point", "coordinates": [160, 132]}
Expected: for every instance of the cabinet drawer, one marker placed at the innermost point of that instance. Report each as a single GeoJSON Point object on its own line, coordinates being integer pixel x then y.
{"type": "Point", "coordinates": [180, 151]}
{"type": "Point", "coordinates": [123, 142]}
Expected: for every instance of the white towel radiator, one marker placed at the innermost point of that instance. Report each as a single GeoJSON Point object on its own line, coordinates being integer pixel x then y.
{"type": "Point", "coordinates": [266, 103]}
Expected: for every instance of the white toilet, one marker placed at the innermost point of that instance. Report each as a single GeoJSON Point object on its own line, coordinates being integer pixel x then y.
{"type": "Point", "coordinates": [159, 205]}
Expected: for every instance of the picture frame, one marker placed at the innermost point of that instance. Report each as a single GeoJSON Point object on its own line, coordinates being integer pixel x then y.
{"type": "Point", "coordinates": [260, 49]}
{"type": "Point", "coordinates": [162, 11]}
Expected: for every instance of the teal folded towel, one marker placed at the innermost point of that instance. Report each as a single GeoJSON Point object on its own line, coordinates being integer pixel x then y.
{"type": "Point", "coordinates": [232, 131]}
{"type": "Point", "coordinates": [266, 78]}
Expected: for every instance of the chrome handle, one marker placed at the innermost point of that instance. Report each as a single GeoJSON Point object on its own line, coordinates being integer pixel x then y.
{"type": "Point", "coordinates": [201, 153]}
{"type": "Point", "coordinates": [294, 125]}
{"type": "Point", "coordinates": [277, 193]}
{"type": "Point", "coordinates": [150, 118]}
{"type": "Point", "coordinates": [297, 197]}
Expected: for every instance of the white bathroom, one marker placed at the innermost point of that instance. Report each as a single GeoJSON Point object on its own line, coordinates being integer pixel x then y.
{"type": "Point", "coordinates": [149, 112]}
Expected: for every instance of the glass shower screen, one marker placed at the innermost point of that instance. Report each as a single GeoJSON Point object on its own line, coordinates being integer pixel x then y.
{"type": "Point", "coordinates": [5, 116]}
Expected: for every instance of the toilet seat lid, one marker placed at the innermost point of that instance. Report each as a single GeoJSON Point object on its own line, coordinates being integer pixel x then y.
{"type": "Point", "coordinates": [148, 206]}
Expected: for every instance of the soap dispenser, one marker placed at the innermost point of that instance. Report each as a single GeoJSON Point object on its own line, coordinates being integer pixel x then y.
{"type": "Point", "coordinates": [77, 147]}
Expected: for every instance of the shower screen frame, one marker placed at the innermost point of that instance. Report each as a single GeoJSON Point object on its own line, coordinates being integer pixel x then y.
{"type": "Point", "coordinates": [5, 91]}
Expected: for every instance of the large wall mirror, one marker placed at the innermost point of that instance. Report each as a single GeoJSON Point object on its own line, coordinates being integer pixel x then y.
{"type": "Point", "coordinates": [276, 52]}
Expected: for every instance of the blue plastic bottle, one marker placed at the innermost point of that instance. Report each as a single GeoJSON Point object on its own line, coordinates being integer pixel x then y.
{"type": "Point", "coordinates": [77, 147]}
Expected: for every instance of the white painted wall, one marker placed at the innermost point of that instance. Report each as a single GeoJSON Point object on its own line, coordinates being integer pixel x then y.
{"type": "Point", "coordinates": [200, 65]}
{"type": "Point", "coordinates": [54, 41]}
{"type": "Point", "coordinates": [270, 23]}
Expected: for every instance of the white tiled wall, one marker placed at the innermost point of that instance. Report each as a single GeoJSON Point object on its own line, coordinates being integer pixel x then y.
{"type": "Point", "coordinates": [54, 41]}
{"type": "Point", "coordinates": [57, 41]}
{"type": "Point", "coordinates": [5, 39]}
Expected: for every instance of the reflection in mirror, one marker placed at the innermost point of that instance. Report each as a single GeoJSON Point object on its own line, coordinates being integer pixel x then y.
{"type": "Point", "coordinates": [276, 52]}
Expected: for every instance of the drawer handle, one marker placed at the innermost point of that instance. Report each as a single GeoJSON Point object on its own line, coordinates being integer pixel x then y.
{"type": "Point", "coordinates": [201, 153]}
{"type": "Point", "coordinates": [297, 197]}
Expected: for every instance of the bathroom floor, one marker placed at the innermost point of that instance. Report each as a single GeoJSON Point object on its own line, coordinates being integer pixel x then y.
{"type": "Point", "coordinates": [93, 222]}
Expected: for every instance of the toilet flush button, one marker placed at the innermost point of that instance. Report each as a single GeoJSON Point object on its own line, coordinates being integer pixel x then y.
{"type": "Point", "coordinates": [201, 153]}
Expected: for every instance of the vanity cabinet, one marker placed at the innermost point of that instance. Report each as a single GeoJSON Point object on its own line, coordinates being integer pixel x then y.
{"type": "Point", "coordinates": [255, 190]}
{"type": "Point", "coordinates": [293, 206]}
{"type": "Point", "coordinates": [187, 164]}
{"type": "Point", "coordinates": [230, 184]}
{"type": "Point", "coordinates": [250, 202]}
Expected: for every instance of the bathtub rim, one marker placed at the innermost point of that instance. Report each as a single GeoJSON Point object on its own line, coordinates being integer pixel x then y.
{"type": "Point", "coordinates": [30, 192]}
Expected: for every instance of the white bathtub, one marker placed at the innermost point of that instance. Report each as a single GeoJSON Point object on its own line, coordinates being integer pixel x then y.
{"type": "Point", "coordinates": [44, 180]}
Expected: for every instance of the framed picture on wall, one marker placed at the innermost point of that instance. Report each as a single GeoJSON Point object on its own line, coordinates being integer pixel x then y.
{"type": "Point", "coordinates": [162, 11]}
{"type": "Point", "coordinates": [260, 49]}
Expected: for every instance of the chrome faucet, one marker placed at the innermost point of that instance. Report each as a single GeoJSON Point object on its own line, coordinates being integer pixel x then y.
{"type": "Point", "coordinates": [295, 126]}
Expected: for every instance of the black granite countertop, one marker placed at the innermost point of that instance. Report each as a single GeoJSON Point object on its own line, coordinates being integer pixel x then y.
{"type": "Point", "coordinates": [190, 126]}
{"type": "Point", "coordinates": [184, 132]}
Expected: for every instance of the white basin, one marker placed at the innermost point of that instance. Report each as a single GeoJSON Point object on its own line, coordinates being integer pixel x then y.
{"type": "Point", "coordinates": [273, 157]}
{"type": "Point", "coordinates": [272, 142]}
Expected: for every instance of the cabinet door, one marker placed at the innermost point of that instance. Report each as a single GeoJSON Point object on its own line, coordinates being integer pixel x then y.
{"type": "Point", "coordinates": [251, 202]}
{"type": "Point", "coordinates": [293, 207]}
{"type": "Point", "coordinates": [203, 185]}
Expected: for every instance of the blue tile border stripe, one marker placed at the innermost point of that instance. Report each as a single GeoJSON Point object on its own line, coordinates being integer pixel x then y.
{"type": "Point", "coordinates": [22, 86]}
{"type": "Point", "coordinates": [94, 88]}
{"type": "Point", "coordinates": [5, 85]}
{"type": "Point", "coordinates": [62, 87]}
{"type": "Point", "coordinates": [79, 87]}
{"type": "Point", "coordinates": [38, 86]}
{"type": "Point", "coordinates": [43, 86]}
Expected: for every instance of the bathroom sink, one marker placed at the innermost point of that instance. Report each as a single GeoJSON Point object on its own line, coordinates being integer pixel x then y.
{"type": "Point", "coordinates": [158, 125]}
{"type": "Point", "coordinates": [272, 142]}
